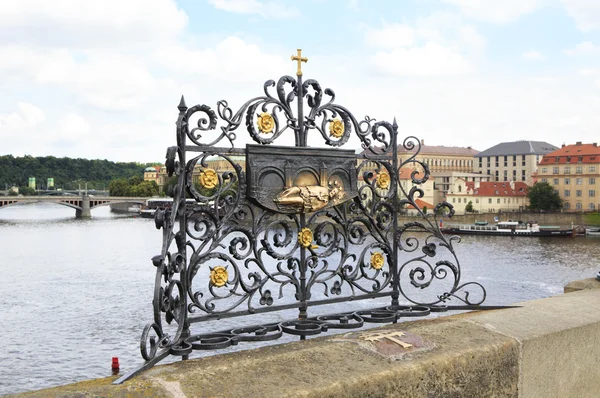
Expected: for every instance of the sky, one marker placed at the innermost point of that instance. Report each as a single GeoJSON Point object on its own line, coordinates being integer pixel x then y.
{"type": "Point", "coordinates": [102, 79]}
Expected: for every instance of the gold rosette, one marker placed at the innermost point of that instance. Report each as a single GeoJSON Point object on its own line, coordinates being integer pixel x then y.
{"type": "Point", "coordinates": [265, 123]}
{"type": "Point", "coordinates": [336, 128]}
{"type": "Point", "coordinates": [377, 261]}
{"type": "Point", "coordinates": [383, 181]}
{"type": "Point", "coordinates": [218, 276]}
{"type": "Point", "coordinates": [208, 178]}
{"type": "Point", "coordinates": [305, 238]}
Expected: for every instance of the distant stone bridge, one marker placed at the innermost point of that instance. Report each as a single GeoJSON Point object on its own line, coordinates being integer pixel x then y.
{"type": "Point", "coordinates": [82, 205]}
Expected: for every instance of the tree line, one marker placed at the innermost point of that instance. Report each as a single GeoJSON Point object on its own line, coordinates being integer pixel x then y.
{"type": "Point", "coordinates": [68, 173]}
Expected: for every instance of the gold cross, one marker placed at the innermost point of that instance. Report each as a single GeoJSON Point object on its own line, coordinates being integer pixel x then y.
{"type": "Point", "coordinates": [300, 59]}
{"type": "Point", "coordinates": [376, 336]}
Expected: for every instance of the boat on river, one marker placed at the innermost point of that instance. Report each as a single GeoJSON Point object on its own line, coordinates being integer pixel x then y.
{"type": "Point", "coordinates": [593, 232]}
{"type": "Point", "coordinates": [508, 228]}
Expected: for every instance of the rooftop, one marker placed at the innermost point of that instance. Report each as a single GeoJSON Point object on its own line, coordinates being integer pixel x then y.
{"type": "Point", "coordinates": [518, 148]}
{"type": "Point", "coordinates": [578, 153]}
{"type": "Point", "coordinates": [489, 188]}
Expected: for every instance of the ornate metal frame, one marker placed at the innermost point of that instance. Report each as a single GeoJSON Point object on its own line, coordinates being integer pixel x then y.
{"type": "Point", "coordinates": [231, 254]}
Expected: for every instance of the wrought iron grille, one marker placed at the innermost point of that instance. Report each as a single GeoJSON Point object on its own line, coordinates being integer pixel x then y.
{"type": "Point", "coordinates": [293, 227]}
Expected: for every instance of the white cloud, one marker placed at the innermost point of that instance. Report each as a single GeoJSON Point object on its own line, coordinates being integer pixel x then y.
{"type": "Point", "coordinates": [390, 36]}
{"type": "Point", "coordinates": [471, 38]}
{"type": "Point", "coordinates": [436, 45]}
{"type": "Point", "coordinates": [430, 60]}
{"type": "Point", "coordinates": [533, 55]}
{"type": "Point", "coordinates": [586, 13]}
{"type": "Point", "coordinates": [28, 115]}
{"type": "Point", "coordinates": [71, 129]}
{"type": "Point", "coordinates": [104, 80]}
{"type": "Point", "coordinates": [231, 59]}
{"type": "Point", "coordinates": [583, 48]}
{"type": "Point", "coordinates": [76, 23]}
{"type": "Point", "coordinates": [495, 11]}
{"type": "Point", "coordinates": [269, 9]}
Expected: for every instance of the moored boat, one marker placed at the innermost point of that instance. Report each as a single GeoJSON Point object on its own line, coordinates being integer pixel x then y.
{"type": "Point", "coordinates": [593, 232]}
{"type": "Point", "coordinates": [508, 228]}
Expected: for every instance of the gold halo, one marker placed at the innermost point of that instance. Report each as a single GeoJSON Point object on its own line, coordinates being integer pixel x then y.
{"type": "Point", "coordinates": [383, 180]}
{"type": "Point", "coordinates": [265, 123]}
{"type": "Point", "coordinates": [208, 178]}
{"type": "Point", "coordinates": [218, 276]}
{"type": "Point", "coordinates": [336, 128]}
{"type": "Point", "coordinates": [377, 261]}
{"type": "Point", "coordinates": [305, 237]}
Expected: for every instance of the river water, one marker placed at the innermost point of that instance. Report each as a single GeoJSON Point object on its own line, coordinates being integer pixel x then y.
{"type": "Point", "coordinates": [76, 293]}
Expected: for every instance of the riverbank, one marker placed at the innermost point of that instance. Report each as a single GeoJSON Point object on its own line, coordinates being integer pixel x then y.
{"type": "Point", "coordinates": [560, 219]}
{"type": "Point", "coordinates": [545, 348]}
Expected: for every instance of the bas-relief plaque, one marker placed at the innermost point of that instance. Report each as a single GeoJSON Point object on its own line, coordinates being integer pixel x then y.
{"type": "Point", "coordinates": [300, 180]}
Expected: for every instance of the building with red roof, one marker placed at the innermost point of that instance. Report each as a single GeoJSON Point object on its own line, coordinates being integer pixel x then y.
{"type": "Point", "coordinates": [488, 196]}
{"type": "Point", "coordinates": [574, 172]}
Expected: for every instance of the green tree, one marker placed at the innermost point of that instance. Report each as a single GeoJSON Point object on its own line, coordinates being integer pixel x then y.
{"type": "Point", "coordinates": [542, 196]}
{"type": "Point", "coordinates": [469, 207]}
{"type": "Point", "coordinates": [27, 191]}
{"type": "Point", "coordinates": [119, 187]}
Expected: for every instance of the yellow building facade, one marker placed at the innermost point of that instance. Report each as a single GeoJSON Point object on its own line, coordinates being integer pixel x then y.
{"type": "Point", "coordinates": [574, 172]}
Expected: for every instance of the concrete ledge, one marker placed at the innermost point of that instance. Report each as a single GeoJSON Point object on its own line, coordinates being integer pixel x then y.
{"type": "Point", "coordinates": [547, 348]}
{"type": "Point", "coordinates": [575, 286]}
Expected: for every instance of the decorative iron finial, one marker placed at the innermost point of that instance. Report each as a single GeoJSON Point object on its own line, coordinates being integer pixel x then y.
{"type": "Point", "coordinates": [182, 106]}
{"type": "Point", "coordinates": [300, 59]}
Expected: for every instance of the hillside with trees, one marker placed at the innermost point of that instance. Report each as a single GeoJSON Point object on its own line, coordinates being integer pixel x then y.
{"type": "Point", "coordinates": [68, 173]}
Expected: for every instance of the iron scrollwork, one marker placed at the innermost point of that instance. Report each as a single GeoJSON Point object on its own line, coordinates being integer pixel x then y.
{"type": "Point", "coordinates": [268, 234]}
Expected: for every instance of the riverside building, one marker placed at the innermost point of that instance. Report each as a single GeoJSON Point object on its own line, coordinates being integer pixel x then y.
{"type": "Point", "coordinates": [574, 172]}
{"type": "Point", "coordinates": [512, 161]}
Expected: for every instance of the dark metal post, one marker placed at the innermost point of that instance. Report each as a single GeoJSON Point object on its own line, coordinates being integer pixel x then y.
{"type": "Point", "coordinates": [395, 204]}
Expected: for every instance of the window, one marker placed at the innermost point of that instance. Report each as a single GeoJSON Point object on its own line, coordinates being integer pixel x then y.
{"type": "Point", "coordinates": [544, 180]}
{"type": "Point", "coordinates": [567, 193]}
{"type": "Point", "coordinates": [490, 200]}
{"type": "Point", "coordinates": [480, 162]}
{"type": "Point", "coordinates": [489, 172]}
{"type": "Point", "coordinates": [592, 169]}
{"type": "Point", "coordinates": [555, 181]}
{"type": "Point", "coordinates": [556, 159]}
{"type": "Point", "coordinates": [544, 170]}
{"type": "Point", "coordinates": [522, 175]}
{"type": "Point", "coordinates": [459, 200]}
{"type": "Point", "coordinates": [578, 193]}
{"type": "Point", "coordinates": [592, 206]}
{"type": "Point", "coordinates": [497, 174]}
{"type": "Point", "coordinates": [496, 161]}
{"type": "Point", "coordinates": [567, 181]}
{"type": "Point", "coordinates": [592, 193]}
{"type": "Point", "coordinates": [578, 206]}
{"type": "Point", "coordinates": [592, 181]}
{"type": "Point", "coordinates": [578, 170]}
{"type": "Point", "coordinates": [555, 170]}
{"type": "Point", "coordinates": [567, 170]}
{"type": "Point", "coordinates": [567, 205]}
{"type": "Point", "coordinates": [522, 160]}
{"type": "Point", "coordinates": [505, 175]}
{"type": "Point", "coordinates": [477, 200]}
{"type": "Point", "coordinates": [505, 161]}
{"type": "Point", "coordinates": [578, 181]}
{"type": "Point", "coordinates": [498, 200]}
{"type": "Point", "coordinates": [453, 200]}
